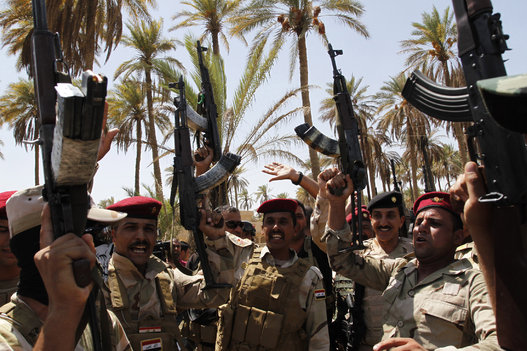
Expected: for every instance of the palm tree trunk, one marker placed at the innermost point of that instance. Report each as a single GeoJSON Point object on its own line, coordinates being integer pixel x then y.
{"type": "Point", "coordinates": [413, 162]}
{"type": "Point", "coordinates": [215, 44]}
{"type": "Point", "coordinates": [37, 164]}
{"type": "Point", "coordinates": [138, 157]}
{"type": "Point", "coordinates": [152, 135]}
{"type": "Point", "coordinates": [90, 33]}
{"type": "Point", "coordinates": [304, 82]}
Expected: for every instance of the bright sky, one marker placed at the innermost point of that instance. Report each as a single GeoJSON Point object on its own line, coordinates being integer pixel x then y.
{"type": "Point", "coordinates": [375, 59]}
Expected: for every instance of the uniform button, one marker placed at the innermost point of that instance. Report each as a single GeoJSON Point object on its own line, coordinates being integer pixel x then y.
{"type": "Point", "coordinates": [411, 293]}
{"type": "Point", "coordinates": [400, 323]}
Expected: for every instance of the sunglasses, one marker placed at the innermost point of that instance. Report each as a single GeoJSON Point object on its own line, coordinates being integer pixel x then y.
{"type": "Point", "coordinates": [233, 224]}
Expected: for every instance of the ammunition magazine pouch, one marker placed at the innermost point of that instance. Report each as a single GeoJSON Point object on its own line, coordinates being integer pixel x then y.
{"type": "Point", "coordinates": [148, 334]}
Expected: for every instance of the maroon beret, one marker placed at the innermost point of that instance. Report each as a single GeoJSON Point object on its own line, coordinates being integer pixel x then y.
{"type": "Point", "coordinates": [433, 199]}
{"type": "Point", "coordinates": [138, 207]}
{"type": "Point", "coordinates": [365, 215]}
{"type": "Point", "coordinates": [3, 199]}
{"type": "Point", "coordinates": [278, 205]}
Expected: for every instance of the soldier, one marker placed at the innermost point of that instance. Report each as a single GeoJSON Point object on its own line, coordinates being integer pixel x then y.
{"type": "Point", "coordinates": [435, 302]}
{"type": "Point", "coordinates": [279, 302]}
{"type": "Point", "coordinates": [146, 293]}
{"type": "Point", "coordinates": [248, 230]}
{"type": "Point", "coordinates": [48, 304]}
{"type": "Point", "coordinates": [367, 228]}
{"type": "Point", "coordinates": [9, 269]}
{"type": "Point", "coordinates": [387, 219]}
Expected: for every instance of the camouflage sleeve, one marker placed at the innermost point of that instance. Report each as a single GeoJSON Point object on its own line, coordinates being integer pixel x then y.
{"type": "Point", "coordinates": [312, 298]}
{"type": "Point", "coordinates": [319, 219]}
{"type": "Point", "coordinates": [228, 254]}
{"type": "Point", "coordinates": [368, 271]}
{"type": "Point", "coordinates": [11, 339]}
{"type": "Point", "coordinates": [189, 292]}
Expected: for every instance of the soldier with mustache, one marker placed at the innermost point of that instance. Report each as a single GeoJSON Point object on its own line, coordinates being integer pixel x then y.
{"type": "Point", "coordinates": [144, 292]}
{"type": "Point", "coordinates": [9, 270]}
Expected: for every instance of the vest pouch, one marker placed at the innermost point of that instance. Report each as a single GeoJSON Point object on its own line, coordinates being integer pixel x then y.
{"type": "Point", "coordinates": [226, 316]}
{"type": "Point", "coordinates": [152, 341]}
{"type": "Point", "coordinates": [255, 325]}
{"type": "Point", "coordinates": [240, 323]}
{"type": "Point", "coordinates": [271, 330]}
{"type": "Point", "coordinates": [208, 333]}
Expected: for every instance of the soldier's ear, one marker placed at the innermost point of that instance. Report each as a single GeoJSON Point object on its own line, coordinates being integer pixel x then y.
{"type": "Point", "coordinates": [459, 236]}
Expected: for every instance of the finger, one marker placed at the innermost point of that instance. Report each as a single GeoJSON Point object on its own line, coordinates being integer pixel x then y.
{"type": "Point", "coordinates": [88, 239]}
{"type": "Point", "coordinates": [389, 343]}
{"type": "Point", "coordinates": [474, 181]}
{"type": "Point", "coordinates": [111, 134]}
{"type": "Point", "coordinates": [46, 228]}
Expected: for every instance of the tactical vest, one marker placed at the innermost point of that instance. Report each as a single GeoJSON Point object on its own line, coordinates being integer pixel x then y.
{"type": "Point", "coordinates": [150, 334]}
{"type": "Point", "coordinates": [7, 288]}
{"type": "Point", "coordinates": [264, 312]}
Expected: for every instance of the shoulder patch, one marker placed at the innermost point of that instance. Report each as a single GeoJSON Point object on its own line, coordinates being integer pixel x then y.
{"type": "Point", "coordinates": [319, 294]}
{"type": "Point", "coordinates": [236, 240]}
{"type": "Point", "coordinates": [317, 271]}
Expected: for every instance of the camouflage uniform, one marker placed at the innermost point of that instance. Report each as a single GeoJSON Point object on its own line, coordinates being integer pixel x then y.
{"type": "Point", "coordinates": [449, 309]}
{"type": "Point", "coordinates": [469, 252]}
{"type": "Point", "coordinates": [20, 326]}
{"type": "Point", "coordinates": [7, 288]}
{"type": "Point", "coordinates": [147, 305]}
{"type": "Point", "coordinates": [309, 293]}
{"type": "Point", "coordinates": [373, 303]}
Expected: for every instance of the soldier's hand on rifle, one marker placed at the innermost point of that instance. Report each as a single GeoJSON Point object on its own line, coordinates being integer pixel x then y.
{"type": "Point", "coordinates": [54, 262]}
{"type": "Point", "coordinates": [337, 203]}
{"type": "Point", "coordinates": [204, 155]}
{"type": "Point", "coordinates": [211, 224]}
{"type": "Point", "coordinates": [323, 178]}
{"type": "Point", "coordinates": [402, 344]}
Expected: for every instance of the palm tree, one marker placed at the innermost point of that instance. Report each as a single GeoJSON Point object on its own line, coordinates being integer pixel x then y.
{"type": "Point", "coordinates": [83, 26]}
{"type": "Point", "coordinates": [236, 182]}
{"type": "Point", "coordinates": [262, 193]}
{"type": "Point", "coordinates": [304, 197]}
{"type": "Point", "coordinates": [18, 109]}
{"type": "Point", "coordinates": [128, 112]}
{"type": "Point", "coordinates": [282, 196]}
{"type": "Point", "coordinates": [432, 50]}
{"type": "Point", "coordinates": [282, 18]}
{"type": "Point", "coordinates": [147, 41]}
{"type": "Point", "coordinates": [210, 14]}
{"type": "Point", "coordinates": [448, 165]}
{"type": "Point", "coordinates": [245, 199]}
{"type": "Point", "coordinates": [405, 123]}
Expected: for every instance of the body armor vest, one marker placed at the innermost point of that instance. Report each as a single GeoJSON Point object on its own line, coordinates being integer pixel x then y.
{"type": "Point", "coordinates": [264, 312]}
{"type": "Point", "coordinates": [149, 334]}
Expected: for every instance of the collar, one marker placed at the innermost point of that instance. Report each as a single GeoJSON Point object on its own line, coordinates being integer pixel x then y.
{"type": "Point", "coordinates": [455, 268]}
{"type": "Point", "coordinates": [266, 255]}
{"type": "Point", "coordinates": [154, 266]}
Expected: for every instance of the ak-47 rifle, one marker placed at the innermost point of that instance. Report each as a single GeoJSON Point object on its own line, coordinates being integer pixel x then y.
{"type": "Point", "coordinates": [480, 44]}
{"type": "Point", "coordinates": [70, 142]}
{"type": "Point", "coordinates": [347, 148]}
{"type": "Point", "coordinates": [395, 183]}
{"type": "Point", "coordinates": [207, 106]}
{"type": "Point", "coordinates": [190, 187]}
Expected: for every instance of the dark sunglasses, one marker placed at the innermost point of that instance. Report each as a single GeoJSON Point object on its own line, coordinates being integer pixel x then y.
{"type": "Point", "coordinates": [233, 224]}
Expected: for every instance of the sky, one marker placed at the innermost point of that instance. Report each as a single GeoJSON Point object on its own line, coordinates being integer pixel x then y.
{"type": "Point", "coordinates": [375, 59]}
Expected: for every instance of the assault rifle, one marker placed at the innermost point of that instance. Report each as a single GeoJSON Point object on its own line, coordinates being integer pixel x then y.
{"type": "Point", "coordinates": [395, 183]}
{"type": "Point", "coordinates": [480, 44]}
{"type": "Point", "coordinates": [191, 188]}
{"type": "Point", "coordinates": [207, 106]}
{"type": "Point", "coordinates": [347, 148]}
{"type": "Point", "coordinates": [70, 142]}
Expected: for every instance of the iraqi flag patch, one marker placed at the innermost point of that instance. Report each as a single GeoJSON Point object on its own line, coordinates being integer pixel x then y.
{"type": "Point", "coordinates": [152, 345]}
{"type": "Point", "coordinates": [320, 294]}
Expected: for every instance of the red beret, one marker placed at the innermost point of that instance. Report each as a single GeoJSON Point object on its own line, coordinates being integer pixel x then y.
{"type": "Point", "coordinates": [433, 199]}
{"type": "Point", "coordinates": [365, 214]}
{"type": "Point", "coordinates": [138, 207]}
{"type": "Point", "coordinates": [278, 205]}
{"type": "Point", "coordinates": [3, 199]}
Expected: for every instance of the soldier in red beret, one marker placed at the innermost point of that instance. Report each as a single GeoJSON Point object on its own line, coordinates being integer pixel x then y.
{"type": "Point", "coordinates": [9, 270]}
{"type": "Point", "coordinates": [296, 312]}
{"type": "Point", "coordinates": [145, 292]}
{"type": "Point", "coordinates": [434, 301]}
